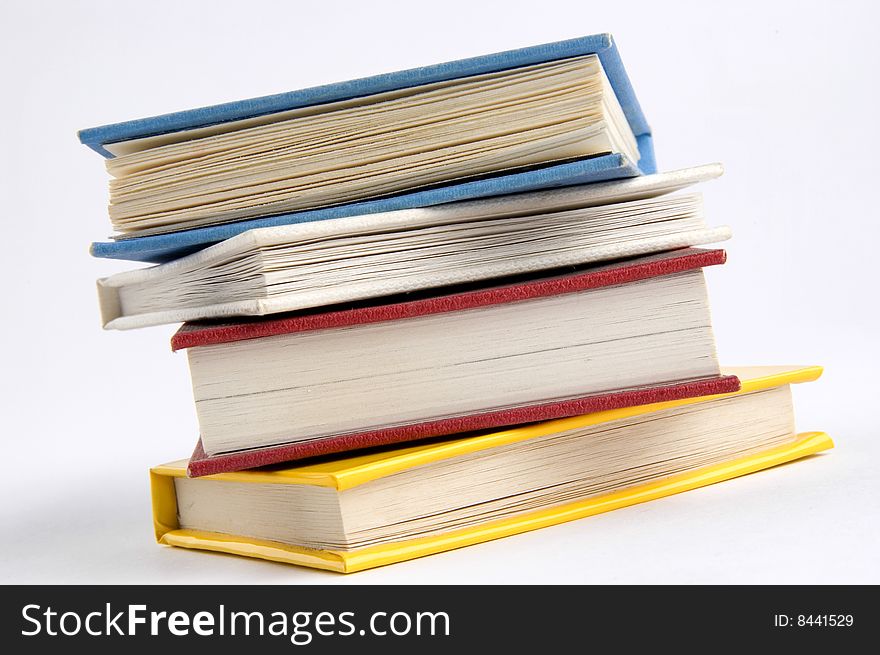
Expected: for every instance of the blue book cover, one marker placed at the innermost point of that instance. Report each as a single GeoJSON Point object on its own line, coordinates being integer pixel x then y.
{"type": "Point", "coordinates": [164, 247]}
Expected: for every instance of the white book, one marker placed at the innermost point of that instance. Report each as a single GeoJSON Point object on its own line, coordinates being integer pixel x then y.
{"type": "Point", "coordinates": [295, 267]}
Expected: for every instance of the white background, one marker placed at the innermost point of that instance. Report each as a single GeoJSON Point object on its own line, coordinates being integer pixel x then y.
{"type": "Point", "coordinates": [784, 94]}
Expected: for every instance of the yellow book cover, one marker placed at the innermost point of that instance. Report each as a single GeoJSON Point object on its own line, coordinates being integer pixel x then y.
{"type": "Point", "coordinates": [346, 473]}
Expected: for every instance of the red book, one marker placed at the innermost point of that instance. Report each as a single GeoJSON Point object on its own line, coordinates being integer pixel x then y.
{"type": "Point", "coordinates": [302, 385]}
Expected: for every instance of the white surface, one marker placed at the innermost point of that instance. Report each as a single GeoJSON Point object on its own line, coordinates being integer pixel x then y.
{"type": "Point", "coordinates": [784, 94]}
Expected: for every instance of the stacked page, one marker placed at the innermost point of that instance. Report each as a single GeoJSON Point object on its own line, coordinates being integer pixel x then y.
{"type": "Point", "coordinates": [272, 270]}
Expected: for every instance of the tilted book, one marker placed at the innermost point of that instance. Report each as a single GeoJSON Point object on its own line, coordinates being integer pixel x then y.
{"type": "Point", "coordinates": [295, 267]}
{"type": "Point", "coordinates": [357, 512]}
{"type": "Point", "coordinates": [544, 116]}
{"type": "Point", "coordinates": [531, 349]}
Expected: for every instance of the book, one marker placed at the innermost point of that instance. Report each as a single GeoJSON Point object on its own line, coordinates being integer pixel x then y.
{"type": "Point", "coordinates": [352, 513]}
{"type": "Point", "coordinates": [295, 267]}
{"type": "Point", "coordinates": [631, 332]}
{"type": "Point", "coordinates": [550, 115]}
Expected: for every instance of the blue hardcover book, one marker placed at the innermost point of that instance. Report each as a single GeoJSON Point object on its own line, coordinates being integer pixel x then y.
{"type": "Point", "coordinates": [124, 138]}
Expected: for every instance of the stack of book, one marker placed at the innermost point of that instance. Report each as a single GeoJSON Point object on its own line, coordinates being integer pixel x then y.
{"type": "Point", "coordinates": [430, 308]}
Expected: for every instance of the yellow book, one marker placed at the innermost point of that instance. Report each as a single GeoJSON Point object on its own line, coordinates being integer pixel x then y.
{"type": "Point", "coordinates": [352, 513]}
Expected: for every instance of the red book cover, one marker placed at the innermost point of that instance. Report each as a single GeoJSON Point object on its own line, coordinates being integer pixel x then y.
{"type": "Point", "coordinates": [195, 335]}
